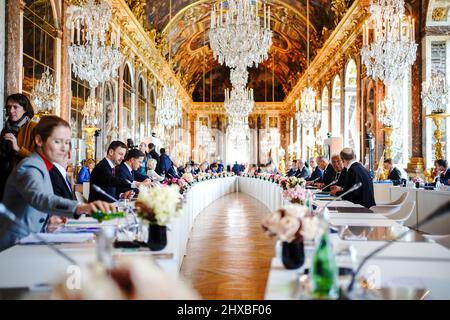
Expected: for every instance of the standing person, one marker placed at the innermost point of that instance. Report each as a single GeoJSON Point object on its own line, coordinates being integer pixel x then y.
{"type": "Point", "coordinates": [104, 174]}
{"type": "Point", "coordinates": [355, 173]}
{"type": "Point", "coordinates": [166, 165]}
{"type": "Point", "coordinates": [143, 167]}
{"type": "Point", "coordinates": [154, 155]}
{"type": "Point", "coordinates": [16, 141]}
{"type": "Point", "coordinates": [29, 192]}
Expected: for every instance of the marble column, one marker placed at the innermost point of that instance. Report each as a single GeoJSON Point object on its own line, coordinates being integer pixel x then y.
{"type": "Point", "coordinates": [416, 163]}
{"type": "Point", "coordinates": [66, 75]}
{"type": "Point", "coordinates": [2, 60]}
{"type": "Point", "coordinates": [13, 67]}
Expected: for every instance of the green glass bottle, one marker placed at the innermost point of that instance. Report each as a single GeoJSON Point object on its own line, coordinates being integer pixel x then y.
{"type": "Point", "coordinates": [102, 216]}
{"type": "Point", "coordinates": [324, 273]}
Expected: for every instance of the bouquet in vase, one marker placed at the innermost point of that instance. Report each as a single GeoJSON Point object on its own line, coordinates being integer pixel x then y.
{"type": "Point", "coordinates": [298, 195]}
{"type": "Point", "coordinates": [201, 176]}
{"type": "Point", "coordinates": [188, 177]}
{"type": "Point", "coordinates": [159, 205]}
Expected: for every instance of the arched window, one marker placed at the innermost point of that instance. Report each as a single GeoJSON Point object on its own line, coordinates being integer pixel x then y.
{"type": "Point", "coordinates": [141, 111]}
{"type": "Point", "coordinates": [39, 42]}
{"type": "Point", "coordinates": [324, 127]}
{"type": "Point", "coordinates": [351, 134]}
{"type": "Point", "coordinates": [336, 107]}
{"type": "Point", "coordinates": [127, 104]}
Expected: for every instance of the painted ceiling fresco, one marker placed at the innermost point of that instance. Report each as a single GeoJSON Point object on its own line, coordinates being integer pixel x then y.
{"type": "Point", "coordinates": [187, 35]}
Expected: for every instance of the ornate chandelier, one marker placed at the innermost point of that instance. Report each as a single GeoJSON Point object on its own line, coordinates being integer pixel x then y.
{"type": "Point", "coordinates": [92, 60]}
{"type": "Point", "coordinates": [168, 108]}
{"type": "Point", "coordinates": [92, 112]}
{"type": "Point", "coordinates": [435, 93]}
{"type": "Point", "coordinates": [45, 93]}
{"type": "Point", "coordinates": [237, 36]}
{"type": "Point", "coordinates": [203, 135]}
{"type": "Point", "coordinates": [238, 131]}
{"type": "Point", "coordinates": [307, 116]}
{"type": "Point", "coordinates": [238, 102]}
{"type": "Point", "coordinates": [239, 77]}
{"type": "Point", "coordinates": [393, 49]}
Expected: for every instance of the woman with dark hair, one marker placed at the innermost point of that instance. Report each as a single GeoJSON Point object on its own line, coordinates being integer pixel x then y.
{"type": "Point", "coordinates": [29, 192]}
{"type": "Point", "coordinates": [16, 142]}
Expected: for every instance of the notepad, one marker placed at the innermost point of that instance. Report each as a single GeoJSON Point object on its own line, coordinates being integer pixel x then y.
{"type": "Point", "coordinates": [57, 238]}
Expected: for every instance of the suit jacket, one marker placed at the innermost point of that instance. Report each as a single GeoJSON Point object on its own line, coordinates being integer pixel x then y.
{"type": "Point", "coordinates": [166, 166]}
{"type": "Point", "coordinates": [291, 172]}
{"type": "Point", "coordinates": [154, 155]}
{"type": "Point", "coordinates": [445, 177]}
{"type": "Point", "coordinates": [317, 174]}
{"type": "Point", "coordinates": [364, 195]}
{"type": "Point", "coordinates": [123, 172]}
{"type": "Point", "coordinates": [29, 195]}
{"type": "Point", "coordinates": [304, 173]}
{"type": "Point", "coordinates": [328, 175]}
{"type": "Point", "coordinates": [84, 175]}
{"type": "Point", "coordinates": [59, 184]}
{"type": "Point", "coordinates": [395, 176]}
{"type": "Point", "coordinates": [102, 176]}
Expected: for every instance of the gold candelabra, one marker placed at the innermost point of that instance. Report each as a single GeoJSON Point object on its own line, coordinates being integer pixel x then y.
{"type": "Point", "coordinates": [438, 134]}
{"type": "Point", "coordinates": [90, 141]}
{"type": "Point", "coordinates": [388, 141]}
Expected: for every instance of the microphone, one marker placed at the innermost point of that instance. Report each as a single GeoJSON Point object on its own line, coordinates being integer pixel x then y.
{"type": "Point", "coordinates": [330, 184]}
{"type": "Point", "coordinates": [13, 218]}
{"type": "Point", "coordinates": [441, 211]}
{"type": "Point", "coordinates": [356, 186]}
{"type": "Point", "coordinates": [103, 192]}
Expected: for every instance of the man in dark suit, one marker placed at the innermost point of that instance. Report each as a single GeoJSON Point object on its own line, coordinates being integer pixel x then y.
{"type": "Point", "coordinates": [154, 155]}
{"type": "Point", "coordinates": [302, 170]}
{"type": "Point", "coordinates": [166, 165]}
{"type": "Point", "coordinates": [129, 170]}
{"type": "Point", "coordinates": [394, 174]}
{"type": "Point", "coordinates": [104, 174]}
{"type": "Point", "coordinates": [60, 181]}
{"type": "Point", "coordinates": [355, 173]}
{"type": "Point", "coordinates": [444, 171]}
{"type": "Point", "coordinates": [334, 171]}
{"type": "Point", "coordinates": [319, 167]}
{"type": "Point", "coordinates": [293, 169]}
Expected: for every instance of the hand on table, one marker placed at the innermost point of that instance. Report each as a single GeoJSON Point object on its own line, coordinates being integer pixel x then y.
{"type": "Point", "coordinates": [335, 189]}
{"type": "Point", "coordinates": [88, 208]}
{"type": "Point", "coordinates": [55, 222]}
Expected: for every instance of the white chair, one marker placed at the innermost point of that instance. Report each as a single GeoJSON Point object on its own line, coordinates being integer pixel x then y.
{"type": "Point", "coordinates": [404, 213]}
{"type": "Point", "coordinates": [390, 207]}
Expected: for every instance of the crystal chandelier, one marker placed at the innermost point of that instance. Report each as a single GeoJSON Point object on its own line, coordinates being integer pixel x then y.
{"type": "Point", "coordinates": [92, 112]}
{"type": "Point", "coordinates": [239, 77]}
{"type": "Point", "coordinates": [168, 108]}
{"type": "Point", "coordinates": [238, 102]}
{"type": "Point", "coordinates": [307, 116]}
{"type": "Point", "coordinates": [203, 135]}
{"type": "Point", "coordinates": [237, 36]}
{"type": "Point", "coordinates": [435, 93]}
{"type": "Point", "coordinates": [385, 112]}
{"type": "Point", "coordinates": [45, 93]}
{"type": "Point", "coordinates": [92, 60]}
{"type": "Point", "coordinates": [393, 49]}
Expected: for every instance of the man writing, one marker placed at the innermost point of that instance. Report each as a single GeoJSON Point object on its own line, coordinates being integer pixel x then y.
{"type": "Point", "coordinates": [129, 170]}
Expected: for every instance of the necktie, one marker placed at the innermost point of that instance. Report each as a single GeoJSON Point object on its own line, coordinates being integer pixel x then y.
{"type": "Point", "coordinates": [113, 171]}
{"type": "Point", "coordinates": [68, 184]}
{"type": "Point", "coordinates": [337, 175]}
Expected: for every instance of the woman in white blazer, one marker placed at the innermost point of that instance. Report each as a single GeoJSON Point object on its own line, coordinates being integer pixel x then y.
{"type": "Point", "coordinates": [29, 192]}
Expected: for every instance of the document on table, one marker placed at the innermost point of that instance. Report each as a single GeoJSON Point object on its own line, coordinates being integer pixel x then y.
{"type": "Point", "coordinates": [57, 238]}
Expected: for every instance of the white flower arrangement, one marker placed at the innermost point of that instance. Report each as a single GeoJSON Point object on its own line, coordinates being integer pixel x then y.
{"type": "Point", "coordinates": [159, 205]}
{"type": "Point", "coordinates": [291, 223]}
{"type": "Point", "coordinates": [201, 176]}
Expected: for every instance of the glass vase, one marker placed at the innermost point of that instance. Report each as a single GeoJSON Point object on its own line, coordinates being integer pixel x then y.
{"type": "Point", "coordinates": [157, 237]}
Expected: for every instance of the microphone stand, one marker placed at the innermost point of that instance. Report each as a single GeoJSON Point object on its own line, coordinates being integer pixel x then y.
{"type": "Point", "coordinates": [330, 184]}
{"type": "Point", "coordinates": [355, 187]}
{"type": "Point", "coordinates": [12, 217]}
{"type": "Point", "coordinates": [444, 209]}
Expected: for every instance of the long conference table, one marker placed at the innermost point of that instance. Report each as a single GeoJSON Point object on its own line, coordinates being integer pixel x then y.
{"type": "Point", "coordinates": [416, 264]}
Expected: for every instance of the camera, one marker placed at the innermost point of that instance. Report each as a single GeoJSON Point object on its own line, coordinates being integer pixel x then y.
{"type": "Point", "coordinates": [131, 145]}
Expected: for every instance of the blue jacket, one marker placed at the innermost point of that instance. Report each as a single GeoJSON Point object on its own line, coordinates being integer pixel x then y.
{"type": "Point", "coordinates": [166, 166]}
{"type": "Point", "coordinates": [445, 177]}
{"type": "Point", "coordinates": [84, 175]}
{"type": "Point", "coordinates": [123, 172]}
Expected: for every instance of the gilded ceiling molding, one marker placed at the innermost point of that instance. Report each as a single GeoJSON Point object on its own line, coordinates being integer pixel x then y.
{"type": "Point", "coordinates": [331, 58]}
{"type": "Point", "coordinates": [218, 108]}
{"type": "Point", "coordinates": [138, 42]}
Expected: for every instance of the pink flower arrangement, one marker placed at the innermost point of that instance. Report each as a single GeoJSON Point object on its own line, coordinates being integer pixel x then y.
{"type": "Point", "coordinates": [297, 195]}
{"type": "Point", "coordinates": [417, 179]}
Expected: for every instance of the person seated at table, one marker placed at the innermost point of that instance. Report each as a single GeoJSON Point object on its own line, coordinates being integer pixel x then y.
{"type": "Point", "coordinates": [129, 171]}
{"type": "Point", "coordinates": [215, 167]}
{"type": "Point", "coordinates": [143, 148]}
{"type": "Point", "coordinates": [394, 174]}
{"type": "Point", "coordinates": [317, 171]}
{"type": "Point", "coordinates": [327, 169]}
{"type": "Point", "coordinates": [60, 180]}
{"type": "Point", "coordinates": [104, 174]}
{"type": "Point", "coordinates": [85, 172]}
{"type": "Point", "coordinates": [443, 171]}
{"type": "Point", "coordinates": [195, 169]}
{"type": "Point", "coordinates": [355, 173]}
{"type": "Point", "coordinates": [302, 170]}
{"type": "Point", "coordinates": [220, 166]}
{"type": "Point", "coordinates": [333, 173]}
{"type": "Point", "coordinates": [29, 192]}
{"type": "Point", "coordinates": [236, 168]}
{"type": "Point", "coordinates": [151, 171]}
{"type": "Point", "coordinates": [292, 168]}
